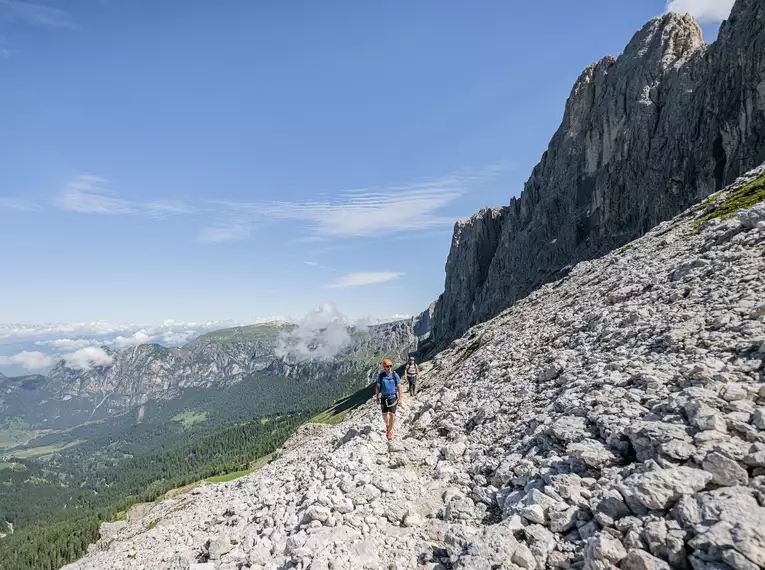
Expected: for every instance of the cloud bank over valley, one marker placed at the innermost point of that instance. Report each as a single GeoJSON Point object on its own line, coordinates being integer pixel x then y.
{"type": "Point", "coordinates": [35, 348]}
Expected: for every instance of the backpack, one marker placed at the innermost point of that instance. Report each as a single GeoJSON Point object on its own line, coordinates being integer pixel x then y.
{"type": "Point", "coordinates": [393, 374]}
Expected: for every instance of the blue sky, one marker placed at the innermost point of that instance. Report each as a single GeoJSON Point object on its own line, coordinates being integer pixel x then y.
{"type": "Point", "coordinates": [197, 160]}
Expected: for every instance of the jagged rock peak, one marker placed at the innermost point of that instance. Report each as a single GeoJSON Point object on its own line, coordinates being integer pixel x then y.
{"type": "Point", "coordinates": [667, 39]}
{"type": "Point", "coordinates": [643, 136]}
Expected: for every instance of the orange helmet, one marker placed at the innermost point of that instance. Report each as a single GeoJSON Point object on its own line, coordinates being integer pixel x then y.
{"type": "Point", "coordinates": [387, 362]}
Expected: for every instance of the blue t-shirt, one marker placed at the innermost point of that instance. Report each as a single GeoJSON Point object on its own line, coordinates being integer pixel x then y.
{"type": "Point", "coordinates": [388, 384]}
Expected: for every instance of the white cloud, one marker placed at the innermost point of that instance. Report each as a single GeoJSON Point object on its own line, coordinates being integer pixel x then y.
{"type": "Point", "coordinates": [359, 279]}
{"type": "Point", "coordinates": [320, 335]}
{"type": "Point", "coordinates": [139, 337]}
{"type": "Point", "coordinates": [176, 338]}
{"type": "Point", "coordinates": [31, 360]}
{"type": "Point", "coordinates": [702, 10]}
{"type": "Point", "coordinates": [91, 195]}
{"type": "Point", "coordinates": [311, 263]}
{"type": "Point", "coordinates": [87, 358]}
{"type": "Point", "coordinates": [37, 14]}
{"type": "Point", "coordinates": [67, 343]}
{"type": "Point", "coordinates": [104, 332]}
{"type": "Point", "coordinates": [36, 331]}
{"type": "Point", "coordinates": [323, 333]}
{"type": "Point", "coordinates": [17, 204]}
{"type": "Point", "coordinates": [60, 337]}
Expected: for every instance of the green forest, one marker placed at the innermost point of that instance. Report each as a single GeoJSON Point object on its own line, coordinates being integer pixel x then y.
{"type": "Point", "coordinates": [55, 492]}
{"type": "Point", "coordinates": [55, 506]}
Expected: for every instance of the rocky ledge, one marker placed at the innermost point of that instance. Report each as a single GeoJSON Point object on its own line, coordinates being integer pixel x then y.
{"type": "Point", "coordinates": [614, 418]}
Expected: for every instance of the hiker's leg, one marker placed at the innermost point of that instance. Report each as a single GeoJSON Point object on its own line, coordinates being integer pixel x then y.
{"type": "Point", "coordinates": [392, 421]}
{"type": "Point", "coordinates": [413, 388]}
{"type": "Point", "coordinates": [385, 419]}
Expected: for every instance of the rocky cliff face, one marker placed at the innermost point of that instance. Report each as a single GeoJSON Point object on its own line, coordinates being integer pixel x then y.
{"type": "Point", "coordinates": [643, 136]}
{"type": "Point", "coordinates": [612, 419]}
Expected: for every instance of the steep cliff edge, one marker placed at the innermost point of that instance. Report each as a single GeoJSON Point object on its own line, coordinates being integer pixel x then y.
{"type": "Point", "coordinates": [643, 136]}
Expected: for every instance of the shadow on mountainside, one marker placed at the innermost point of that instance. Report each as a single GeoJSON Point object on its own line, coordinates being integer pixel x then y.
{"type": "Point", "coordinates": [338, 410]}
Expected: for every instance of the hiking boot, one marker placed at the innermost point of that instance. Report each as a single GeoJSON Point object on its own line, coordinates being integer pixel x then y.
{"type": "Point", "coordinates": [390, 435]}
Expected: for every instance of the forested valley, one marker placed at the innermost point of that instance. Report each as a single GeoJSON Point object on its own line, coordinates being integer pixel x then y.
{"type": "Point", "coordinates": [55, 492]}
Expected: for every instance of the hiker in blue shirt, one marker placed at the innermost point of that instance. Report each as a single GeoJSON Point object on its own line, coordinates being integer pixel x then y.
{"type": "Point", "coordinates": [389, 387]}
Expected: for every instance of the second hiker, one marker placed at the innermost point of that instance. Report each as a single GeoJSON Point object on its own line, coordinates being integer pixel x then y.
{"type": "Point", "coordinates": [412, 375]}
{"type": "Point", "coordinates": [389, 387]}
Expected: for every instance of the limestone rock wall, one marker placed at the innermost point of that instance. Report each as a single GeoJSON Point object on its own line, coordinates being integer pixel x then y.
{"type": "Point", "coordinates": [643, 136]}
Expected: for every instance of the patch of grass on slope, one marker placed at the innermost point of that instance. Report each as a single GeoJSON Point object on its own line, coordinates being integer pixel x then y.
{"type": "Point", "coordinates": [190, 417]}
{"type": "Point", "coordinates": [262, 332]}
{"type": "Point", "coordinates": [228, 476]}
{"type": "Point", "coordinates": [44, 450]}
{"type": "Point", "coordinates": [741, 199]}
{"type": "Point", "coordinates": [252, 467]}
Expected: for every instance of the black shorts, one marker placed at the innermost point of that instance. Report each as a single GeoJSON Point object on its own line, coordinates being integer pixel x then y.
{"type": "Point", "coordinates": [389, 405]}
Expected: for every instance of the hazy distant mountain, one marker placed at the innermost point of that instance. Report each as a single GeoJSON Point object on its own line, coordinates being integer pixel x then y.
{"type": "Point", "coordinates": [120, 380]}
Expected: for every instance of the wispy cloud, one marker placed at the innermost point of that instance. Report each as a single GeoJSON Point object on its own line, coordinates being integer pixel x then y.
{"type": "Point", "coordinates": [702, 10]}
{"type": "Point", "coordinates": [18, 205]}
{"type": "Point", "coordinates": [397, 209]}
{"type": "Point", "coordinates": [36, 14]}
{"type": "Point", "coordinates": [165, 208]}
{"type": "Point", "coordinates": [91, 195]}
{"type": "Point", "coordinates": [355, 213]}
{"type": "Point", "coordinates": [360, 279]}
{"type": "Point", "coordinates": [311, 263]}
{"type": "Point", "coordinates": [361, 213]}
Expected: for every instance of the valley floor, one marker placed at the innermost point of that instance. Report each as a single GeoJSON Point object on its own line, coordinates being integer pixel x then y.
{"type": "Point", "coordinates": [615, 418]}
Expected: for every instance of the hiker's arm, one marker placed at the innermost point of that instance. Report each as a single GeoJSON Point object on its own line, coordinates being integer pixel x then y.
{"type": "Point", "coordinates": [377, 393]}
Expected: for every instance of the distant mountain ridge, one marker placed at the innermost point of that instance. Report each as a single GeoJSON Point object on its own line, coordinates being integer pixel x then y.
{"type": "Point", "coordinates": [643, 137]}
{"type": "Point", "coordinates": [220, 359]}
